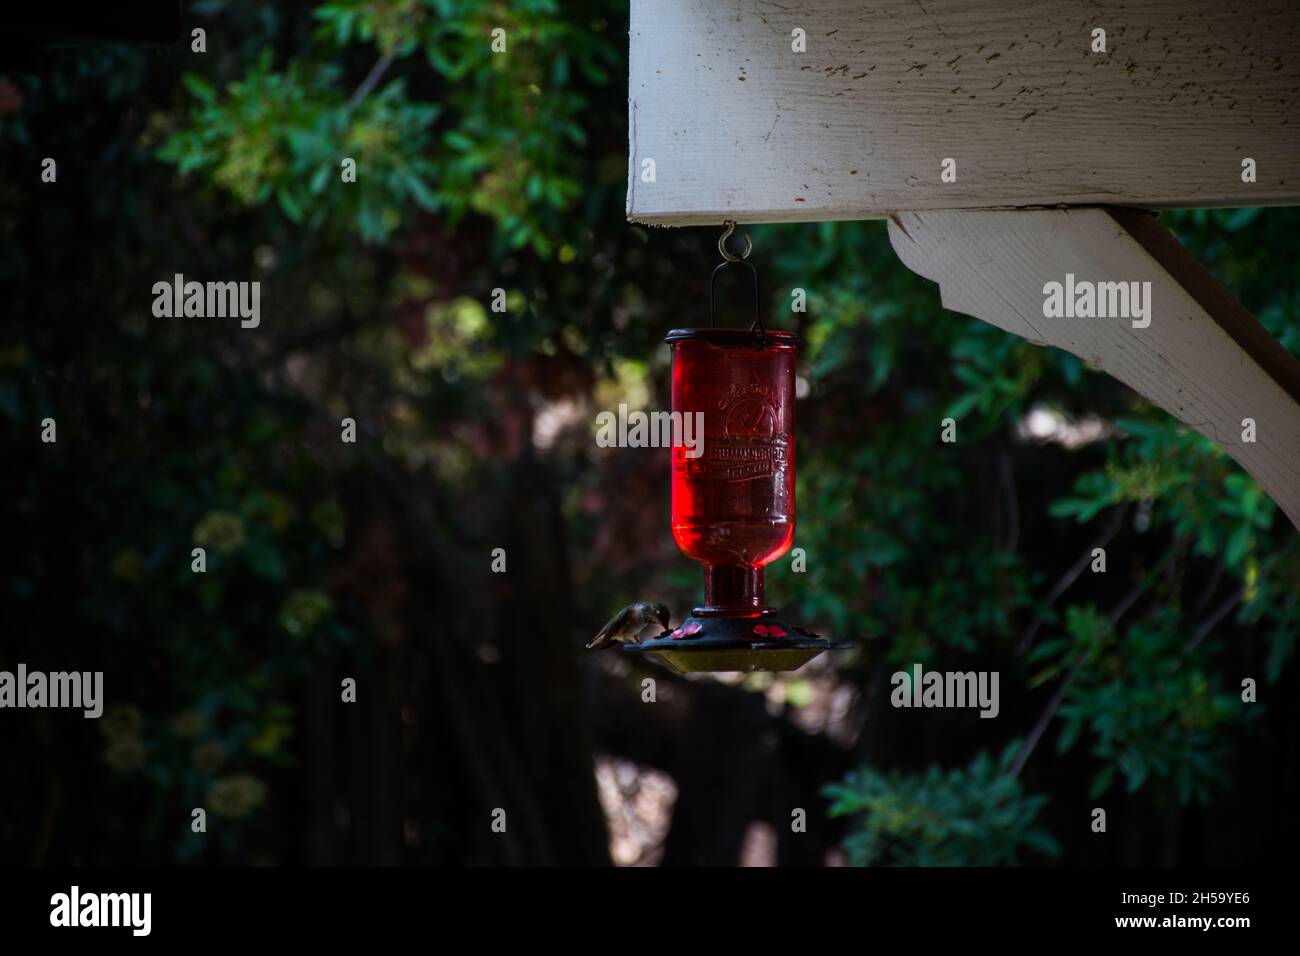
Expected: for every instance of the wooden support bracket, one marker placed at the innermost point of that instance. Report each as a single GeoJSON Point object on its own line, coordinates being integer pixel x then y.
{"type": "Point", "coordinates": [1203, 358]}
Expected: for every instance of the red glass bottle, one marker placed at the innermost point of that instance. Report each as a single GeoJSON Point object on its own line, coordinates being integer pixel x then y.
{"type": "Point", "coordinates": [733, 466]}
{"type": "Point", "coordinates": [733, 498]}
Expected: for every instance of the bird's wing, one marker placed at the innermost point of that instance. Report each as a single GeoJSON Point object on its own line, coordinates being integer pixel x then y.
{"type": "Point", "coordinates": [615, 624]}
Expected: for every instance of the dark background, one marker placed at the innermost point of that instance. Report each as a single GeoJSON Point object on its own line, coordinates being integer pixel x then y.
{"type": "Point", "coordinates": [371, 560]}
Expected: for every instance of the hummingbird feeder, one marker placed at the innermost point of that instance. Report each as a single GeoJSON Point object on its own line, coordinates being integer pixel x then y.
{"type": "Point", "coordinates": [733, 502]}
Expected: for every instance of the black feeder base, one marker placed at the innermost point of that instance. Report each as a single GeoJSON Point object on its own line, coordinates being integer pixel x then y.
{"type": "Point", "coordinates": [734, 644]}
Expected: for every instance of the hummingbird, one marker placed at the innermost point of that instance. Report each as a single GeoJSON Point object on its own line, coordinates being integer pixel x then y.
{"type": "Point", "coordinates": [628, 624]}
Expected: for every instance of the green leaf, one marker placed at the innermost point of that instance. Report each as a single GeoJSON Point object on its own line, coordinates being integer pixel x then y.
{"type": "Point", "coordinates": [289, 205]}
{"type": "Point", "coordinates": [1069, 734]}
{"type": "Point", "coordinates": [1238, 219]}
{"type": "Point", "coordinates": [1101, 783]}
{"type": "Point", "coordinates": [1238, 544]}
{"type": "Point", "coordinates": [199, 88]}
{"type": "Point", "coordinates": [962, 406]}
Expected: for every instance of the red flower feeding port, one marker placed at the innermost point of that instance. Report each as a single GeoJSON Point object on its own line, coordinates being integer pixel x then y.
{"type": "Point", "coordinates": [733, 504]}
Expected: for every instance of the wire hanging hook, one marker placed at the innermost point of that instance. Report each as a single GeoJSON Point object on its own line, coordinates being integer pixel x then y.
{"type": "Point", "coordinates": [728, 227]}
{"type": "Point", "coordinates": [729, 258]}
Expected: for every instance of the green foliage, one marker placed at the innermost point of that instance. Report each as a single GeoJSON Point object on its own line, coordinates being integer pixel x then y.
{"type": "Point", "coordinates": [1189, 482]}
{"type": "Point", "coordinates": [1273, 590]}
{"type": "Point", "coordinates": [496, 137]}
{"type": "Point", "coordinates": [971, 816]}
{"type": "Point", "coordinates": [1149, 709]}
{"type": "Point", "coordinates": [285, 135]}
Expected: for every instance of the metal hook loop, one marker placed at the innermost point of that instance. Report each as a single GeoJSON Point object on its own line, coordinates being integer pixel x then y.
{"type": "Point", "coordinates": [756, 328]}
{"type": "Point", "coordinates": [728, 227]}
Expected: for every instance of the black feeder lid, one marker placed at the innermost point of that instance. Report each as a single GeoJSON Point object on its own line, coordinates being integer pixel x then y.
{"type": "Point", "coordinates": [746, 644]}
{"type": "Point", "coordinates": [739, 338]}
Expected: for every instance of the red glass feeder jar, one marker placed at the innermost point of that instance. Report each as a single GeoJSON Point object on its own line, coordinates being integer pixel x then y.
{"type": "Point", "coordinates": [733, 496]}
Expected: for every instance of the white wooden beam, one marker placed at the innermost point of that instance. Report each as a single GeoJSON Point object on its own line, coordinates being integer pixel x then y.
{"type": "Point", "coordinates": [1203, 358]}
{"type": "Point", "coordinates": [739, 126]}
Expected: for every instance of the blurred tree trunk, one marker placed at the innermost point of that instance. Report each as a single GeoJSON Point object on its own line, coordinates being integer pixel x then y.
{"type": "Point", "coordinates": [547, 721]}
{"type": "Point", "coordinates": [474, 692]}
